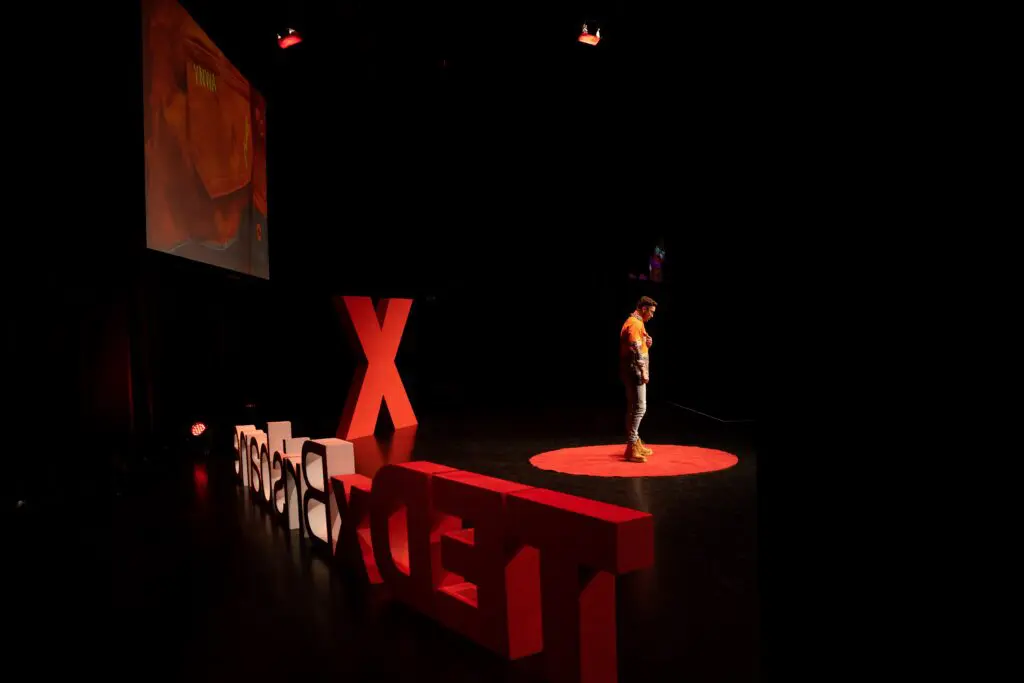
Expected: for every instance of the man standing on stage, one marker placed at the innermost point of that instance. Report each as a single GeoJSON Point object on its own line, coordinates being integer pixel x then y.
{"type": "Point", "coordinates": [633, 365]}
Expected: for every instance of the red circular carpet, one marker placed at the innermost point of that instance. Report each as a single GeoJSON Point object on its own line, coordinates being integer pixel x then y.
{"type": "Point", "coordinates": [606, 461]}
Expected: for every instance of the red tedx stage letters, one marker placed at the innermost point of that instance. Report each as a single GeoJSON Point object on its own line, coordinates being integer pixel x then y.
{"type": "Point", "coordinates": [514, 568]}
{"type": "Point", "coordinates": [379, 333]}
{"type": "Point", "coordinates": [584, 544]}
{"type": "Point", "coordinates": [354, 549]}
{"type": "Point", "coordinates": [411, 566]}
{"type": "Point", "coordinates": [500, 607]}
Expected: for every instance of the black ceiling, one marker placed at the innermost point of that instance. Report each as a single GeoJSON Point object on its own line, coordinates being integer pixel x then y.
{"type": "Point", "coordinates": [491, 117]}
{"type": "Point", "coordinates": [479, 44]}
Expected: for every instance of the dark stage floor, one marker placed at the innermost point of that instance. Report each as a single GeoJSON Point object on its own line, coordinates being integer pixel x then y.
{"type": "Point", "coordinates": [175, 575]}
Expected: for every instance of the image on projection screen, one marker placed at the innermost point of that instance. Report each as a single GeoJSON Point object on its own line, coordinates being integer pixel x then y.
{"type": "Point", "coordinates": [206, 169]}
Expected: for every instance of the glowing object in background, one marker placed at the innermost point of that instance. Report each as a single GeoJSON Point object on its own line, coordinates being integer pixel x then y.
{"type": "Point", "coordinates": [654, 267]}
{"type": "Point", "coordinates": [289, 39]}
{"type": "Point", "coordinates": [585, 37]}
{"type": "Point", "coordinates": [201, 479]}
{"type": "Point", "coordinates": [198, 428]}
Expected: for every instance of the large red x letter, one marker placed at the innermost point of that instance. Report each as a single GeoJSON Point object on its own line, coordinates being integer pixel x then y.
{"type": "Point", "coordinates": [378, 333]}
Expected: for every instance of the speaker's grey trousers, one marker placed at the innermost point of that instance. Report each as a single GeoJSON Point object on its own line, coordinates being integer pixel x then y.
{"type": "Point", "coordinates": [636, 406]}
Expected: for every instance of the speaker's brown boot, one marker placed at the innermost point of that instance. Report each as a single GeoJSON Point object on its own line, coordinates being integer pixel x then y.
{"type": "Point", "coordinates": [643, 448]}
{"type": "Point", "coordinates": [634, 454]}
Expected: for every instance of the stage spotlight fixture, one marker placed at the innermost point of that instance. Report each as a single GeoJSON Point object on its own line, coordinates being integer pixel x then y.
{"type": "Point", "coordinates": [198, 428]}
{"type": "Point", "coordinates": [291, 37]}
{"type": "Point", "coordinates": [585, 37]}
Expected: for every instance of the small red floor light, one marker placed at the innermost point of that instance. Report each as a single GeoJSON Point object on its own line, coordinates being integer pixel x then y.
{"type": "Point", "coordinates": [290, 38]}
{"type": "Point", "coordinates": [200, 477]}
{"type": "Point", "coordinates": [585, 37]}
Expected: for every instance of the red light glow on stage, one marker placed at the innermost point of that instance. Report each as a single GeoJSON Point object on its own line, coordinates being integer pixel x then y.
{"type": "Point", "coordinates": [585, 37]}
{"type": "Point", "coordinates": [372, 453]}
{"type": "Point", "coordinates": [289, 39]}
{"type": "Point", "coordinates": [198, 428]}
{"type": "Point", "coordinates": [607, 461]}
{"type": "Point", "coordinates": [201, 479]}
